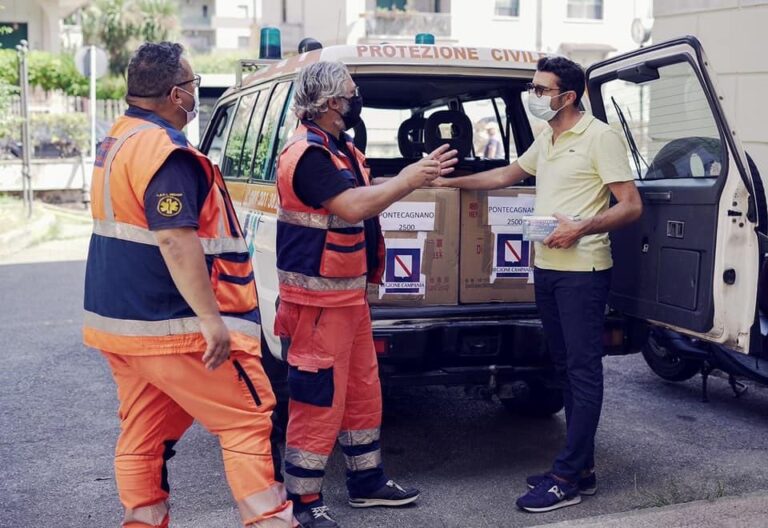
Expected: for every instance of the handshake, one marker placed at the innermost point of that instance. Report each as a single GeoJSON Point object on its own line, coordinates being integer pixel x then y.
{"type": "Point", "coordinates": [440, 162]}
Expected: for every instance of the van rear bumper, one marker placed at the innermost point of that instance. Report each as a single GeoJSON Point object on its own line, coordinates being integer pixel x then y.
{"type": "Point", "coordinates": [455, 345]}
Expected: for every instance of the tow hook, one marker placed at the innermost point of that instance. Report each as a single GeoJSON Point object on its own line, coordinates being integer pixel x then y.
{"type": "Point", "coordinates": [492, 381]}
{"type": "Point", "coordinates": [487, 392]}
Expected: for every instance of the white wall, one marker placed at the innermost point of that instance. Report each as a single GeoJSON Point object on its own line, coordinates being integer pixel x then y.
{"type": "Point", "coordinates": [733, 35]}
{"type": "Point", "coordinates": [475, 23]}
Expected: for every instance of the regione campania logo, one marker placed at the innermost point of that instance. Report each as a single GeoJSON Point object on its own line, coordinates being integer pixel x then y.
{"type": "Point", "coordinates": [403, 270]}
{"type": "Point", "coordinates": [513, 256]}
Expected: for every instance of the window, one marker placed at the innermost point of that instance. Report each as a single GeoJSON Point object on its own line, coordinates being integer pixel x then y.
{"type": "Point", "coordinates": [382, 126]}
{"type": "Point", "coordinates": [12, 34]}
{"type": "Point", "coordinates": [287, 125]}
{"type": "Point", "coordinates": [244, 11]}
{"type": "Point", "coordinates": [205, 11]}
{"type": "Point", "coordinates": [391, 4]}
{"type": "Point", "coordinates": [588, 9]}
{"type": "Point", "coordinates": [669, 121]}
{"type": "Point", "coordinates": [507, 8]}
{"type": "Point", "coordinates": [238, 153]}
{"type": "Point", "coordinates": [220, 128]}
{"type": "Point", "coordinates": [488, 134]}
{"type": "Point", "coordinates": [244, 42]}
{"type": "Point", "coordinates": [263, 156]}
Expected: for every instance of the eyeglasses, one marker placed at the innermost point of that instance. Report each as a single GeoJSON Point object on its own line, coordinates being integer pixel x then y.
{"type": "Point", "coordinates": [195, 79]}
{"type": "Point", "coordinates": [539, 90]}
{"type": "Point", "coordinates": [356, 93]}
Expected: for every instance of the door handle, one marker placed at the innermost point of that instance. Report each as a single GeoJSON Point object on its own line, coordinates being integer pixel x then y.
{"type": "Point", "coordinates": [659, 196]}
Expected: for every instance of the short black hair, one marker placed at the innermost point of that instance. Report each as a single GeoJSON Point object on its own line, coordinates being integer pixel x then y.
{"type": "Point", "coordinates": [570, 75]}
{"type": "Point", "coordinates": [154, 69]}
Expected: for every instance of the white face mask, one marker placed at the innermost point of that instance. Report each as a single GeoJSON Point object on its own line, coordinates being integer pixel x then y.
{"type": "Point", "coordinates": [540, 107]}
{"type": "Point", "coordinates": [191, 114]}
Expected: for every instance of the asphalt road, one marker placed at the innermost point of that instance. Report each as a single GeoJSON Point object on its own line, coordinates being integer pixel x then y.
{"type": "Point", "coordinates": [658, 443]}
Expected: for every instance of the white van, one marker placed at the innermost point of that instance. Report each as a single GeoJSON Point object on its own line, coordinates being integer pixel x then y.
{"type": "Point", "coordinates": [690, 264]}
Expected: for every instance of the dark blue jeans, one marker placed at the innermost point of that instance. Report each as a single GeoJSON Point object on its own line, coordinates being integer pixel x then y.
{"type": "Point", "coordinates": [572, 308]}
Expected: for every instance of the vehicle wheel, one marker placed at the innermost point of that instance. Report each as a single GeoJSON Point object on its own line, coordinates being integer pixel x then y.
{"type": "Point", "coordinates": [540, 402]}
{"type": "Point", "coordinates": [666, 363]}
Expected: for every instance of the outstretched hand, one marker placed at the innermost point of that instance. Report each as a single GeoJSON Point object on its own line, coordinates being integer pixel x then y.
{"type": "Point", "coordinates": [446, 158]}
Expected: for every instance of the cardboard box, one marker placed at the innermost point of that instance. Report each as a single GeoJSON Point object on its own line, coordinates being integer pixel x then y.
{"type": "Point", "coordinates": [496, 264]}
{"type": "Point", "coordinates": [421, 233]}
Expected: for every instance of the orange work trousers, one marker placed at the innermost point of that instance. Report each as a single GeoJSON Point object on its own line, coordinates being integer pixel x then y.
{"type": "Point", "coordinates": [160, 396]}
{"type": "Point", "coordinates": [335, 394]}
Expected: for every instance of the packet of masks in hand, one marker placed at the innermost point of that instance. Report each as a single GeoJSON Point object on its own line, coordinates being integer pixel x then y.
{"type": "Point", "coordinates": [537, 228]}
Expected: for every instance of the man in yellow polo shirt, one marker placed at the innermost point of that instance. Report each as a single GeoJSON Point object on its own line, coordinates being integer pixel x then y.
{"type": "Point", "coordinates": [578, 162]}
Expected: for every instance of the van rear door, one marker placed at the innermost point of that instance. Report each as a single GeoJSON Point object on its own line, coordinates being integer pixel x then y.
{"type": "Point", "coordinates": [691, 262]}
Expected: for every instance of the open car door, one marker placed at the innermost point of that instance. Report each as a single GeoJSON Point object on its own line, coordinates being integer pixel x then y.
{"type": "Point", "coordinates": [691, 262]}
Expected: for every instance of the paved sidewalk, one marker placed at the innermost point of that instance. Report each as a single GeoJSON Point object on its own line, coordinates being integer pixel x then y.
{"type": "Point", "coordinates": [53, 234]}
{"type": "Point", "coordinates": [741, 511]}
{"type": "Point", "coordinates": [18, 232]}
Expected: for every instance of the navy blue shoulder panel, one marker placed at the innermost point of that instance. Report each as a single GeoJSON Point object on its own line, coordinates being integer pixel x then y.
{"type": "Point", "coordinates": [177, 137]}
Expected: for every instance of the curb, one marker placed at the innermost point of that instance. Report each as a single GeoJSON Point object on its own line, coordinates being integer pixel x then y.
{"type": "Point", "coordinates": [733, 511]}
{"type": "Point", "coordinates": [17, 239]}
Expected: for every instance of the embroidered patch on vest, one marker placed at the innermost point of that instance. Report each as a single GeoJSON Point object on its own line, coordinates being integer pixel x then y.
{"type": "Point", "coordinates": [103, 150]}
{"type": "Point", "coordinates": [169, 206]}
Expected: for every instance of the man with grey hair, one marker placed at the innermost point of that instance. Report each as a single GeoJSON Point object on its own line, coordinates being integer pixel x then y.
{"type": "Point", "coordinates": [182, 343]}
{"type": "Point", "coordinates": [329, 247]}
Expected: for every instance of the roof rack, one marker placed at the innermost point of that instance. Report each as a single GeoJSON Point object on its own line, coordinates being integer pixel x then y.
{"type": "Point", "coordinates": [250, 64]}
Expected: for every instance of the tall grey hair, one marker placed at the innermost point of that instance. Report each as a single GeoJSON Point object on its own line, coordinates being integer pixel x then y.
{"type": "Point", "coordinates": [316, 84]}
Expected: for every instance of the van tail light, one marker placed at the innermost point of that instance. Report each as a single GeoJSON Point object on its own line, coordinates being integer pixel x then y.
{"type": "Point", "coordinates": [381, 345]}
{"type": "Point", "coordinates": [613, 337]}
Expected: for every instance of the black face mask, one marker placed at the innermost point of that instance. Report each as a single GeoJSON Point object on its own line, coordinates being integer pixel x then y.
{"type": "Point", "coordinates": [352, 116]}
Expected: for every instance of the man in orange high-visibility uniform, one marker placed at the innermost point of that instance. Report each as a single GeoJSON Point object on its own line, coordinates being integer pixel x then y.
{"type": "Point", "coordinates": [170, 301]}
{"type": "Point", "coordinates": [329, 245]}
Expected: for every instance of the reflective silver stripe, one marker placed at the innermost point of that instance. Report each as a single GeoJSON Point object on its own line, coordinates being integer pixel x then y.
{"type": "Point", "coordinates": [222, 213]}
{"type": "Point", "coordinates": [293, 140]}
{"type": "Point", "coordinates": [359, 437]}
{"type": "Point", "coordinates": [363, 462]}
{"type": "Point", "coordinates": [303, 486]}
{"type": "Point", "coordinates": [305, 459]}
{"type": "Point", "coordinates": [315, 220]}
{"type": "Point", "coordinates": [109, 213]}
{"type": "Point", "coordinates": [151, 515]}
{"type": "Point", "coordinates": [306, 282]}
{"type": "Point", "coordinates": [284, 519]}
{"type": "Point", "coordinates": [216, 246]}
{"type": "Point", "coordinates": [261, 502]}
{"type": "Point", "coordinates": [132, 233]}
{"type": "Point", "coordinates": [123, 231]}
{"type": "Point", "coordinates": [187, 325]}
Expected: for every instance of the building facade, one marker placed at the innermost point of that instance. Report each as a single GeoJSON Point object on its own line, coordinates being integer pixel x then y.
{"type": "Point", "coordinates": [36, 21]}
{"type": "Point", "coordinates": [218, 24]}
{"type": "Point", "coordinates": [730, 33]}
{"type": "Point", "coordinates": [585, 30]}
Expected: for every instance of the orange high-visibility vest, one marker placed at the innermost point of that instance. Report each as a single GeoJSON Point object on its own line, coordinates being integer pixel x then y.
{"type": "Point", "coordinates": [321, 259]}
{"type": "Point", "coordinates": [132, 305]}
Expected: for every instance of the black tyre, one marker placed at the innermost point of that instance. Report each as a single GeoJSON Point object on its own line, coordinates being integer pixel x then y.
{"type": "Point", "coordinates": [666, 363]}
{"type": "Point", "coordinates": [540, 402]}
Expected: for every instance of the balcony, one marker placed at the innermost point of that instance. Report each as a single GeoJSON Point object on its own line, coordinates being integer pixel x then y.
{"type": "Point", "coordinates": [395, 24]}
{"type": "Point", "coordinates": [196, 22]}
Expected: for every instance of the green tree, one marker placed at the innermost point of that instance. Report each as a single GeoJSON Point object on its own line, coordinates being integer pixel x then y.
{"type": "Point", "coordinates": [120, 25]}
{"type": "Point", "coordinates": [159, 20]}
{"type": "Point", "coordinates": [9, 68]}
{"type": "Point", "coordinates": [111, 24]}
